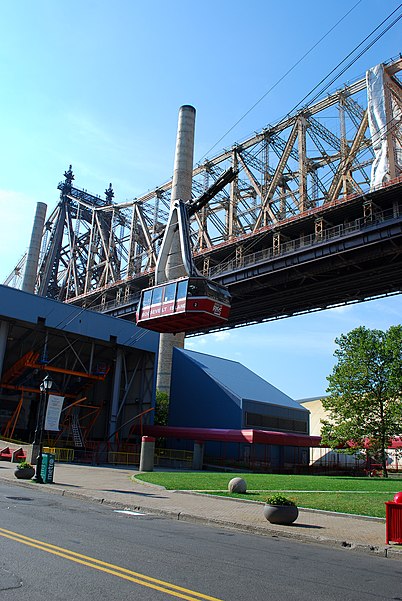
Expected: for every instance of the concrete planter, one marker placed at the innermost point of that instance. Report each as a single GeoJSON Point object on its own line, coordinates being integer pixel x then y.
{"type": "Point", "coordinates": [280, 514]}
{"type": "Point", "coordinates": [24, 473]}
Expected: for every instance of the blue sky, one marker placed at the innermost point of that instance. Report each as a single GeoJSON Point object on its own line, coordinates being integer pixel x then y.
{"type": "Point", "coordinates": [98, 84]}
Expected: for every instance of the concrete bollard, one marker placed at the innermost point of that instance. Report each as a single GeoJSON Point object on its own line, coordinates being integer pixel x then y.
{"type": "Point", "coordinates": [147, 454]}
{"type": "Point", "coordinates": [198, 455]}
{"type": "Point", "coordinates": [237, 485]}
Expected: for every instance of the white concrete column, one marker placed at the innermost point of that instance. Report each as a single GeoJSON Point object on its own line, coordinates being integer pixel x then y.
{"type": "Point", "coordinates": [184, 155]}
{"type": "Point", "coordinates": [198, 455]}
{"type": "Point", "coordinates": [167, 342]}
{"type": "Point", "coordinates": [147, 454]}
{"type": "Point", "coordinates": [181, 190]}
{"type": "Point", "coordinates": [31, 265]}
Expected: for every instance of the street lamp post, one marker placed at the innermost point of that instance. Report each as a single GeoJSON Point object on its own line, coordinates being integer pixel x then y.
{"type": "Point", "coordinates": [37, 443]}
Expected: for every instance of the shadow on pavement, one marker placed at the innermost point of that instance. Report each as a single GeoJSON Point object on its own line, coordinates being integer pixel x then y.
{"type": "Point", "coordinates": [307, 526]}
{"type": "Point", "coordinates": [132, 492]}
{"type": "Point", "coordinates": [67, 485]}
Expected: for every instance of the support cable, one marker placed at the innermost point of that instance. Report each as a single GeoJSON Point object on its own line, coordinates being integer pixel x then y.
{"type": "Point", "coordinates": [369, 45]}
{"type": "Point", "coordinates": [326, 77]}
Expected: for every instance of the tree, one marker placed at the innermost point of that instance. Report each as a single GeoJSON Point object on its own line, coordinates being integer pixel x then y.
{"type": "Point", "coordinates": [161, 408]}
{"type": "Point", "coordinates": [365, 390]}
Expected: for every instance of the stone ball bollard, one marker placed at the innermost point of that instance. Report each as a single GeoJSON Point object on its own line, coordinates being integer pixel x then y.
{"type": "Point", "coordinates": [237, 485]}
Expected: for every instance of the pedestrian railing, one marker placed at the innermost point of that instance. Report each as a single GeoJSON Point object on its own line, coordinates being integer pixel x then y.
{"type": "Point", "coordinates": [61, 455]}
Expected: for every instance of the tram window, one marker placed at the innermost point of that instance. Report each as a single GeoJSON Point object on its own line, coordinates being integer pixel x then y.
{"type": "Point", "coordinates": [157, 296]}
{"type": "Point", "coordinates": [218, 293]}
{"type": "Point", "coordinates": [169, 294]}
{"type": "Point", "coordinates": [146, 299]}
{"type": "Point", "coordinates": [182, 289]}
{"type": "Point", "coordinates": [196, 288]}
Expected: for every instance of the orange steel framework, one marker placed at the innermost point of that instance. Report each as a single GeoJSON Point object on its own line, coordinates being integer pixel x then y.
{"type": "Point", "coordinates": [29, 362]}
{"type": "Point", "coordinates": [65, 426]}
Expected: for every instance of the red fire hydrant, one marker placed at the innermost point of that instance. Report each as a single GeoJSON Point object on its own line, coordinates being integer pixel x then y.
{"type": "Point", "coordinates": [393, 520]}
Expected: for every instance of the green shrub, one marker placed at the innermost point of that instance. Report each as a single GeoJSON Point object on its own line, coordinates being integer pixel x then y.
{"type": "Point", "coordinates": [23, 464]}
{"type": "Point", "coordinates": [279, 500]}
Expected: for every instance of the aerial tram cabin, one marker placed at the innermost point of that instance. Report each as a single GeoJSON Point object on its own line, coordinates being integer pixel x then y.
{"type": "Point", "coordinates": [183, 305]}
{"type": "Point", "coordinates": [189, 303]}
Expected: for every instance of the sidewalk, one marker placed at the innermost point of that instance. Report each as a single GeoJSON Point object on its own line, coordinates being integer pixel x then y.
{"type": "Point", "coordinates": [113, 486]}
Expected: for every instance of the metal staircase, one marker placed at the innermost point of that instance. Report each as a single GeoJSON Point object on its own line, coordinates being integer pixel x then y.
{"type": "Point", "coordinates": [76, 431]}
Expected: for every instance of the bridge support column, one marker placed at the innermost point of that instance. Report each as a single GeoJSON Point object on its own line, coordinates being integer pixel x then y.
{"type": "Point", "coordinates": [116, 393]}
{"type": "Point", "coordinates": [167, 342]}
{"type": "Point", "coordinates": [31, 266]}
{"type": "Point", "coordinates": [181, 190]}
{"type": "Point", "coordinates": [198, 456]}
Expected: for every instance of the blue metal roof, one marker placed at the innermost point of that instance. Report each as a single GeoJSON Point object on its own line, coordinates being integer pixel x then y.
{"type": "Point", "coordinates": [30, 308]}
{"type": "Point", "coordinates": [241, 381]}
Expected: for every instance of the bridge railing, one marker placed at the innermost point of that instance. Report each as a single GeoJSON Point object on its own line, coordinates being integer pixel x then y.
{"type": "Point", "coordinates": [291, 246]}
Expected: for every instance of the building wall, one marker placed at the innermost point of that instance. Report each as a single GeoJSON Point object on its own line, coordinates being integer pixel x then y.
{"type": "Point", "coordinates": [203, 394]}
{"type": "Point", "coordinates": [197, 400]}
{"type": "Point", "coordinates": [322, 456]}
{"type": "Point", "coordinates": [328, 457]}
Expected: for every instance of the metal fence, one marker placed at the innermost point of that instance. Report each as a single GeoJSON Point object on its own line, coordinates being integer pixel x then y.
{"type": "Point", "coordinates": [163, 457]}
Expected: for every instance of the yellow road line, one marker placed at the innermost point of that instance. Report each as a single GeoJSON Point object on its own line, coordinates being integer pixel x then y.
{"type": "Point", "coordinates": [124, 573]}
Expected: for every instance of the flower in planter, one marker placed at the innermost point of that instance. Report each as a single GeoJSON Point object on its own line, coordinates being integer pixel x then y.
{"type": "Point", "coordinates": [24, 470]}
{"type": "Point", "coordinates": [23, 464]}
{"type": "Point", "coordinates": [279, 500]}
{"type": "Point", "coordinates": [280, 510]}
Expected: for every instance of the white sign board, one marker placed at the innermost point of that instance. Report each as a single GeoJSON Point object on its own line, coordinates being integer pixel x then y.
{"type": "Point", "coordinates": [53, 411]}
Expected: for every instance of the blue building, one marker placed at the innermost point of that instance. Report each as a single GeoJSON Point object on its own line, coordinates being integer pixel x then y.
{"type": "Point", "coordinates": [210, 392]}
{"type": "Point", "coordinates": [103, 368]}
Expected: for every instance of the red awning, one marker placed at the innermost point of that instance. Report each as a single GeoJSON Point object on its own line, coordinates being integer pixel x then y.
{"type": "Point", "coordinates": [246, 436]}
{"type": "Point", "coordinates": [396, 443]}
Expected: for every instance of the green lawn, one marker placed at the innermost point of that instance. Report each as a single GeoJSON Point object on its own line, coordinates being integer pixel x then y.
{"type": "Point", "coordinates": [364, 496]}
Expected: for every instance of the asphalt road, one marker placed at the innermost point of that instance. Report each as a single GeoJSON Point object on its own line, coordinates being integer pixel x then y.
{"type": "Point", "coordinates": [58, 548]}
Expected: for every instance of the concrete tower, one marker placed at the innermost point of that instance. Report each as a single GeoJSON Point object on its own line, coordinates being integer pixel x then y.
{"type": "Point", "coordinates": [31, 265]}
{"type": "Point", "coordinates": [181, 190]}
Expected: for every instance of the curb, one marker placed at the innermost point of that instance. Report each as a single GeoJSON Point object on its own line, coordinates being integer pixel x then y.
{"type": "Point", "coordinates": [353, 516]}
{"type": "Point", "coordinates": [379, 551]}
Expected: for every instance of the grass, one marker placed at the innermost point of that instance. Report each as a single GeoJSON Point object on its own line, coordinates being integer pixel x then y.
{"type": "Point", "coordinates": [362, 496]}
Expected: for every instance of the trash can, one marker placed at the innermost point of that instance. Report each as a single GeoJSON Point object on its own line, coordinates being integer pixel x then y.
{"type": "Point", "coordinates": [393, 520]}
{"type": "Point", "coordinates": [47, 469]}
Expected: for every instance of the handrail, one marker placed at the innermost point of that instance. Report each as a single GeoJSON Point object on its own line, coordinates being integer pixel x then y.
{"type": "Point", "coordinates": [338, 231]}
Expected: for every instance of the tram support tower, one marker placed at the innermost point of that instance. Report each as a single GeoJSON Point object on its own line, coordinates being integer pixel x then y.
{"type": "Point", "coordinates": [181, 190]}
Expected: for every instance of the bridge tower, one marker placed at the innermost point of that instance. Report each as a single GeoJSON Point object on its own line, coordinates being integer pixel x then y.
{"type": "Point", "coordinates": [181, 190]}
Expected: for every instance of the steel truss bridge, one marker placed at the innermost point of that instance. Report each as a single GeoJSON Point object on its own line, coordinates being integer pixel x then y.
{"type": "Point", "coordinates": [285, 219]}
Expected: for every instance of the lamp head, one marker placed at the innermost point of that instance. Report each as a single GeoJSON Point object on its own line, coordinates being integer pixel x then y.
{"type": "Point", "coordinates": [46, 384]}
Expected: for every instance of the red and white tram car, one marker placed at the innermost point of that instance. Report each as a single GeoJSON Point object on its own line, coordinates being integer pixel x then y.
{"type": "Point", "coordinates": [183, 305]}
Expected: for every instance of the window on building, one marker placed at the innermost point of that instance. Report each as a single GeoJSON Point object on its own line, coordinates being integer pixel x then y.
{"type": "Point", "coordinates": [269, 422]}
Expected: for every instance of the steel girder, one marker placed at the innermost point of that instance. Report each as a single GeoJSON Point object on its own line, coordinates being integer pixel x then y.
{"type": "Point", "coordinates": [305, 161]}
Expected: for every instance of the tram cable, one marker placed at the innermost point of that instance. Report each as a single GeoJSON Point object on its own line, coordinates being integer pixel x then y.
{"type": "Point", "coordinates": [275, 85]}
{"type": "Point", "coordinates": [326, 77]}
{"type": "Point", "coordinates": [369, 45]}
